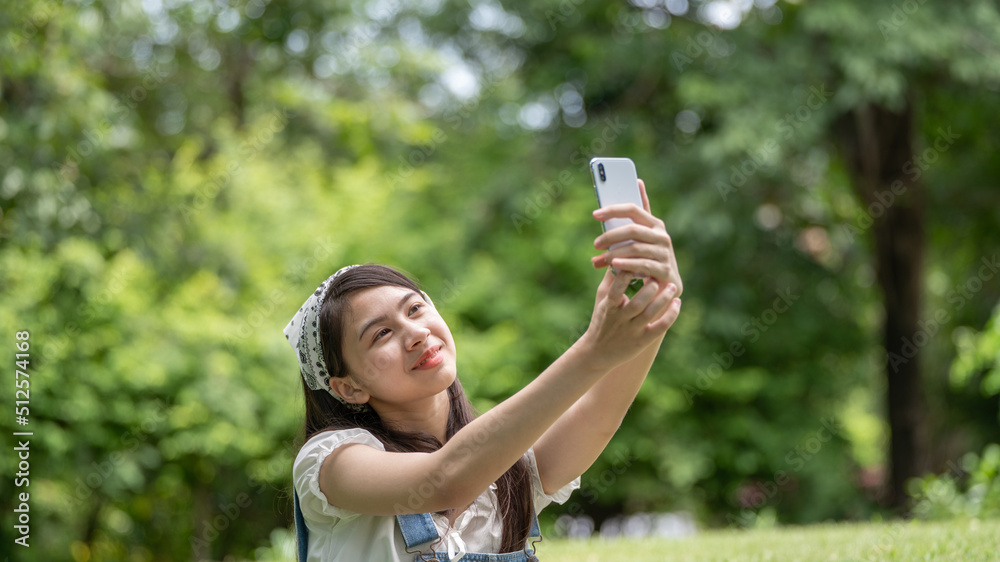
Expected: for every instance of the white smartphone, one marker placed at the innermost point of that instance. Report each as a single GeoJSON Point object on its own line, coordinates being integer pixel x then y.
{"type": "Point", "coordinates": [615, 182]}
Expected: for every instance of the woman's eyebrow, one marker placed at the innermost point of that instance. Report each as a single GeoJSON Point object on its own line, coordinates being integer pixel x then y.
{"type": "Point", "coordinates": [384, 317]}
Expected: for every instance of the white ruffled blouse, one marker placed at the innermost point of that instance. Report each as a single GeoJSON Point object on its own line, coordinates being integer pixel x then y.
{"type": "Point", "coordinates": [336, 534]}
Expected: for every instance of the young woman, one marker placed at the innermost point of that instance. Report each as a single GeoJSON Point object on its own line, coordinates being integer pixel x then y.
{"type": "Point", "coordinates": [397, 467]}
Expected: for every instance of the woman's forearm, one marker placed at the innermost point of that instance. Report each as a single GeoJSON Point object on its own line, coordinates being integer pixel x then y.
{"type": "Point", "coordinates": [576, 439]}
{"type": "Point", "coordinates": [621, 330]}
{"type": "Point", "coordinates": [487, 447]}
{"type": "Point", "coordinates": [610, 398]}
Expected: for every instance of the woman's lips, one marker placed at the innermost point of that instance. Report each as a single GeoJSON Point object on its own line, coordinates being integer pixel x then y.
{"type": "Point", "coordinates": [430, 359]}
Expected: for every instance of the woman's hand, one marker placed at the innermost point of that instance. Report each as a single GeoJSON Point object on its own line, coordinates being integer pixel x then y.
{"type": "Point", "coordinates": [651, 254]}
{"type": "Point", "coordinates": [621, 327]}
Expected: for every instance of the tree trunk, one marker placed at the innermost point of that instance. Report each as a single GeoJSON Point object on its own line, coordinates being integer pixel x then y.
{"type": "Point", "coordinates": [877, 143]}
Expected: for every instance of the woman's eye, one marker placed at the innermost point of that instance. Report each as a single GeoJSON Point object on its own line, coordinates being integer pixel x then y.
{"type": "Point", "coordinates": [380, 333]}
{"type": "Point", "coordinates": [415, 308]}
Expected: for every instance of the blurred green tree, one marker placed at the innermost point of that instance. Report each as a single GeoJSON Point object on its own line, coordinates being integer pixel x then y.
{"type": "Point", "coordinates": [776, 98]}
{"type": "Point", "coordinates": [174, 177]}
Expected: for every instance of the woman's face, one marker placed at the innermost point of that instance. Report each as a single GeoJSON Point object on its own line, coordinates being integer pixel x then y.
{"type": "Point", "coordinates": [396, 346]}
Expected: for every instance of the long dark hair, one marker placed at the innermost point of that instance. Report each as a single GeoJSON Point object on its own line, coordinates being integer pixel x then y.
{"type": "Point", "coordinates": [324, 412]}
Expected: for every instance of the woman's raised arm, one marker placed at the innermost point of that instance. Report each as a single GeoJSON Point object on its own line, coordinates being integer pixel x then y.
{"type": "Point", "coordinates": [575, 441]}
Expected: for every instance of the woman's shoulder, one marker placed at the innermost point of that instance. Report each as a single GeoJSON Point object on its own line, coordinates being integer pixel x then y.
{"type": "Point", "coordinates": [333, 438]}
{"type": "Point", "coordinates": [315, 450]}
{"type": "Point", "coordinates": [340, 433]}
{"type": "Point", "coordinates": [309, 460]}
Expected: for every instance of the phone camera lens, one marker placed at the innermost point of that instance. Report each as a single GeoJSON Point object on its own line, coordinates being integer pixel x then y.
{"type": "Point", "coordinates": [600, 170]}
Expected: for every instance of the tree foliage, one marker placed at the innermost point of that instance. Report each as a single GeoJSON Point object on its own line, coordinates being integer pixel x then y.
{"type": "Point", "coordinates": [176, 177]}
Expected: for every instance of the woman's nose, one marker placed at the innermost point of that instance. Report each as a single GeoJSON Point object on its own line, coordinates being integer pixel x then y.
{"type": "Point", "coordinates": [416, 335]}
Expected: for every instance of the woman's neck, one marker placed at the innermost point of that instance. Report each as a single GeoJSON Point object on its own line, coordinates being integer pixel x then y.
{"type": "Point", "coordinates": [429, 415]}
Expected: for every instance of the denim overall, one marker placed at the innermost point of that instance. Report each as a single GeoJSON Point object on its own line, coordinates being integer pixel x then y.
{"type": "Point", "coordinates": [418, 529]}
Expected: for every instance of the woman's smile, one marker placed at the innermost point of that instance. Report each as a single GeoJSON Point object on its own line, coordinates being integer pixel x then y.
{"type": "Point", "coordinates": [429, 359]}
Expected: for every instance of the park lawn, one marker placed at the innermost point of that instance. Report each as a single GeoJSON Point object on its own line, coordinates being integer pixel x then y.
{"type": "Point", "coordinates": [965, 540]}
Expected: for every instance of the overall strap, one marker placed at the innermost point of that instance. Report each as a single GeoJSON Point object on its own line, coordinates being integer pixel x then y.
{"type": "Point", "coordinates": [417, 529]}
{"type": "Point", "coordinates": [301, 532]}
{"type": "Point", "coordinates": [535, 531]}
{"type": "Point", "coordinates": [534, 536]}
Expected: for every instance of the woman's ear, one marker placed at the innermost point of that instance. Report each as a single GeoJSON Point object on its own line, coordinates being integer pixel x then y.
{"type": "Point", "coordinates": [346, 388]}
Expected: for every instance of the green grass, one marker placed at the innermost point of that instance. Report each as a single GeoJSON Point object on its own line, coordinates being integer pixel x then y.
{"type": "Point", "coordinates": [968, 540]}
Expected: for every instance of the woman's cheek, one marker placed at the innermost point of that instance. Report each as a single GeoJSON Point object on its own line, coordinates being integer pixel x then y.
{"type": "Point", "coordinates": [443, 329]}
{"type": "Point", "coordinates": [379, 363]}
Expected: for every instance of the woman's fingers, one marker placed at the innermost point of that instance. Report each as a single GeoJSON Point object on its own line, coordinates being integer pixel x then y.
{"type": "Point", "coordinates": [662, 268]}
{"type": "Point", "coordinates": [646, 243]}
{"type": "Point", "coordinates": [622, 326]}
{"type": "Point", "coordinates": [616, 294]}
{"type": "Point", "coordinates": [629, 211]}
{"type": "Point", "coordinates": [661, 303]}
{"type": "Point", "coordinates": [635, 233]}
{"type": "Point", "coordinates": [638, 304]}
{"type": "Point", "coordinates": [645, 197]}
{"type": "Point", "coordinates": [667, 318]}
{"type": "Point", "coordinates": [605, 286]}
{"type": "Point", "coordinates": [640, 250]}
{"type": "Point", "coordinates": [651, 255]}
{"type": "Point", "coordinates": [644, 267]}
{"type": "Point", "coordinates": [654, 304]}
